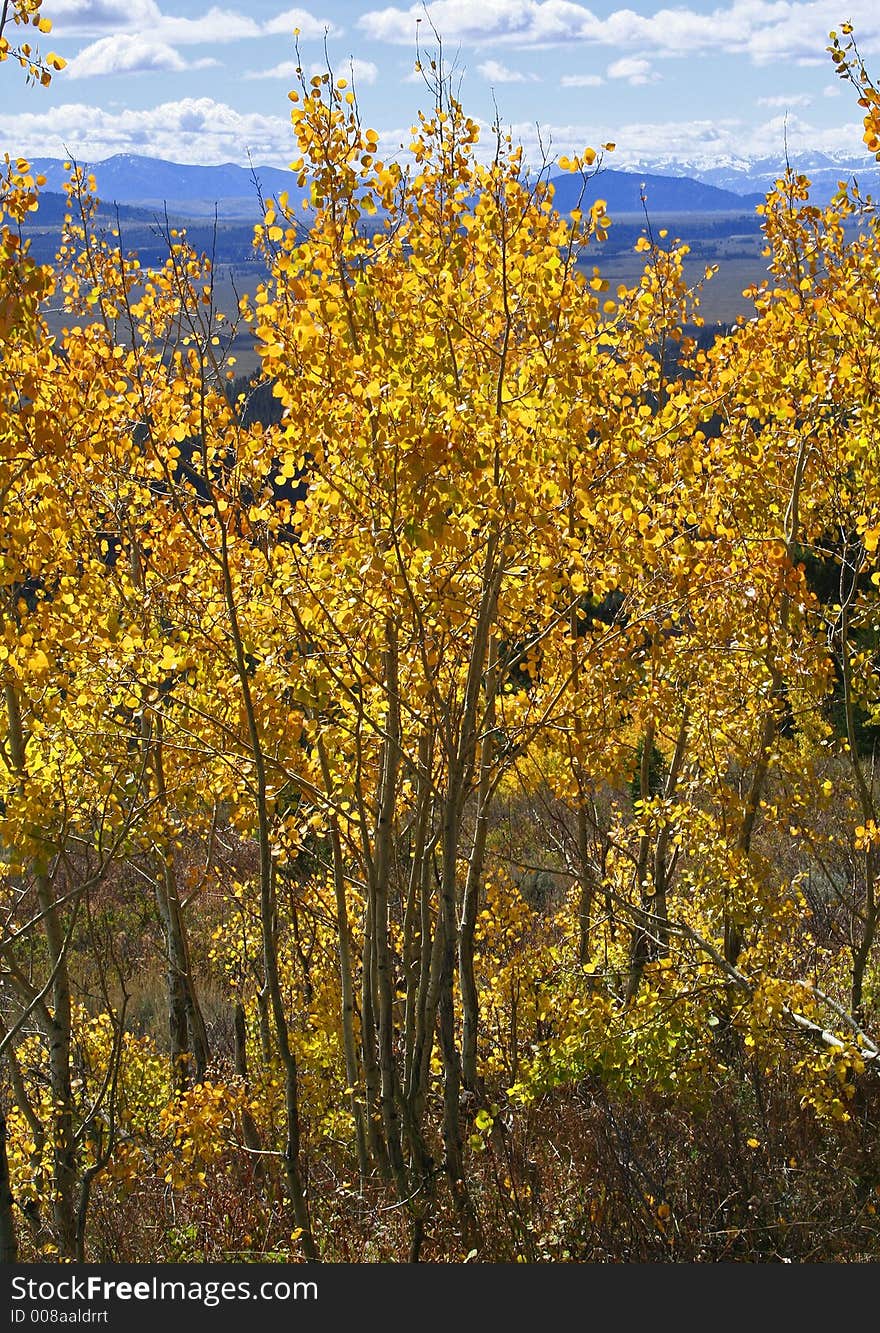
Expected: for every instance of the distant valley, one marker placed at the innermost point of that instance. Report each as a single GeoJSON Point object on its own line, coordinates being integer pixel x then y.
{"type": "Point", "coordinates": [143, 193]}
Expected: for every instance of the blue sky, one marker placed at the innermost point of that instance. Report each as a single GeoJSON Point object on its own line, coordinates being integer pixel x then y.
{"type": "Point", "coordinates": [698, 82]}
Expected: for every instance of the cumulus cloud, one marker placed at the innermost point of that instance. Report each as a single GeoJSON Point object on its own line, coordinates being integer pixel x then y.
{"type": "Point", "coordinates": [661, 145]}
{"type": "Point", "coordinates": [96, 18]}
{"type": "Point", "coordinates": [200, 131]}
{"type": "Point", "coordinates": [524, 22]}
{"type": "Point", "coordinates": [633, 69]}
{"type": "Point", "coordinates": [494, 72]}
{"type": "Point", "coordinates": [215, 25]}
{"type": "Point", "coordinates": [582, 80]}
{"type": "Point", "coordinates": [765, 30]}
{"type": "Point", "coordinates": [363, 71]}
{"type": "Point", "coordinates": [287, 69]}
{"type": "Point", "coordinates": [308, 25]}
{"type": "Point", "coordinates": [90, 18]}
{"type": "Point", "coordinates": [204, 131]}
{"type": "Point", "coordinates": [357, 71]}
{"type": "Point", "coordinates": [130, 54]}
{"type": "Point", "coordinates": [135, 36]}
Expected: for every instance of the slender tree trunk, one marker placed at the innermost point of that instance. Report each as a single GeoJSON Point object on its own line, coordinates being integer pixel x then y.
{"type": "Point", "coordinates": [288, 1059]}
{"type": "Point", "coordinates": [248, 1124]}
{"type": "Point", "coordinates": [417, 934]}
{"type": "Point", "coordinates": [265, 1026]}
{"type": "Point", "coordinates": [188, 1034]}
{"type": "Point", "coordinates": [661, 849]}
{"type": "Point", "coordinates": [268, 916]}
{"type": "Point", "coordinates": [446, 1005]}
{"type": "Point", "coordinates": [369, 1050]}
{"type": "Point", "coordinates": [423, 1019]}
{"type": "Point", "coordinates": [640, 946]}
{"type": "Point", "coordinates": [452, 1081]}
{"type": "Point", "coordinates": [470, 1012]}
{"type": "Point", "coordinates": [349, 1044]}
{"type": "Point", "coordinates": [381, 873]}
{"type": "Point", "coordinates": [433, 959]}
{"type": "Point", "coordinates": [733, 930]}
{"type": "Point", "coordinates": [30, 1207]}
{"type": "Point", "coordinates": [651, 938]}
{"type": "Point", "coordinates": [59, 1037]}
{"type": "Point", "coordinates": [56, 1024]}
{"type": "Point", "coordinates": [869, 916]}
{"type": "Point", "coordinates": [864, 945]}
{"type": "Point", "coordinates": [428, 1004]}
{"type": "Point", "coordinates": [8, 1237]}
{"type": "Point", "coordinates": [462, 759]}
{"type": "Point", "coordinates": [186, 1026]}
{"type": "Point", "coordinates": [586, 882]}
{"type": "Point", "coordinates": [585, 878]}
{"type": "Point", "coordinates": [178, 1027]}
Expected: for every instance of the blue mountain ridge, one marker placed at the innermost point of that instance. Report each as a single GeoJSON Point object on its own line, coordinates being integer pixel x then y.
{"type": "Point", "coordinates": [146, 181]}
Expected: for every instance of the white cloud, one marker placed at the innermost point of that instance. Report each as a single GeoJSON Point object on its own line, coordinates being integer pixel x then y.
{"type": "Point", "coordinates": [287, 69]}
{"type": "Point", "coordinates": [524, 22]}
{"type": "Point", "coordinates": [135, 36]}
{"type": "Point", "coordinates": [765, 30]}
{"type": "Point", "coordinates": [90, 18]}
{"type": "Point", "coordinates": [215, 25]}
{"type": "Point", "coordinates": [129, 53]}
{"type": "Point", "coordinates": [204, 131]}
{"type": "Point", "coordinates": [582, 80]}
{"type": "Point", "coordinates": [786, 100]}
{"type": "Point", "coordinates": [96, 18]}
{"type": "Point", "coordinates": [660, 145]}
{"type": "Point", "coordinates": [308, 25]}
{"type": "Point", "coordinates": [200, 131]}
{"type": "Point", "coordinates": [633, 69]}
{"type": "Point", "coordinates": [494, 72]}
{"type": "Point", "coordinates": [357, 71]}
{"type": "Point", "coordinates": [363, 71]}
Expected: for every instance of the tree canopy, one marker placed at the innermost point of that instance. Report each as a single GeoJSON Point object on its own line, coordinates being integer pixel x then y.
{"type": "Point", "coordinates": [440, 820]}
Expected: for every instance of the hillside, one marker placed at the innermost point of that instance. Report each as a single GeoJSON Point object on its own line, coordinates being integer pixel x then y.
{"type": "Point", "coordinates": [623, 192]}
{"type": "Point", "coordinates": [194, 190]}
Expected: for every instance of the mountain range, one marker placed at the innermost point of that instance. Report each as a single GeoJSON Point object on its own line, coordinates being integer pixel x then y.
{"type": "Point", "coordinates": [191, 191]}
{"type": "Point", "coordinates": [669, 186]}
{"type": "Point", "coordinates": [745, 176]}
{"type": "Point", "coordinates": [624, 192]}
{"type": "Point", "coordinates": [194, 191]}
